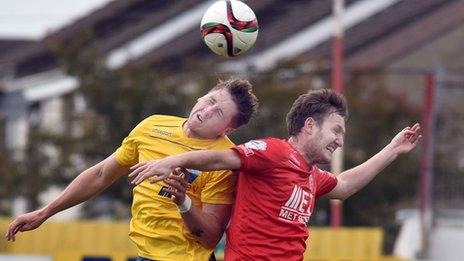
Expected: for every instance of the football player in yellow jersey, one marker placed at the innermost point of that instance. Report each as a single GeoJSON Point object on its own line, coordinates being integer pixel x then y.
{"type": "Point", "coordinates": [161, 227]}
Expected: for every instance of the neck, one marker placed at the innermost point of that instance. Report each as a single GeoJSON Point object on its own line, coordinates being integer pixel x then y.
{"type": "Point", "coordinates": [188, 132]}
{"type": "Point", "coordinates": [298, 144]}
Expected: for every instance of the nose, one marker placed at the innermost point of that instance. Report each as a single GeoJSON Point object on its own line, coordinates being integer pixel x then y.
{"type": "Point", "coordinates": [339, 141]}
{"type": "Point", "coordinates": [208, 111]}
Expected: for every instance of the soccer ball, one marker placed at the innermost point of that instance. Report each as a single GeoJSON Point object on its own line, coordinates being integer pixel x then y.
{"type": "Point", "coordinates": [229, 28]}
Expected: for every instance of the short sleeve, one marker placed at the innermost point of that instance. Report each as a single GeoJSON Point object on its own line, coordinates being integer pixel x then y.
{"type": "Point", "coordinates": [255, 156]}
{"type": "Point", "coordinates": [219, 189]}
{"type": "Point", "coordinates": [127, 153]}
{"type": "Point", "coordinates": [326, 181]}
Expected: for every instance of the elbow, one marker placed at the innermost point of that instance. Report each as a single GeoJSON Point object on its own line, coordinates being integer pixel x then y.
{"type": "Point", "coordinates": [343, 190]}
{"type": "Point", "coordinates": [338, 196]}
{"type": "Point", "coordinates": [346, 194]}
{"type": "Point", "coordinates": [102, 180]}
{"type": "Point", "coordinates": [211, 241]}
{"type": "Point", "coordinates": [341, 195]}
{"type": "Point", "coordinates": [209, 244]}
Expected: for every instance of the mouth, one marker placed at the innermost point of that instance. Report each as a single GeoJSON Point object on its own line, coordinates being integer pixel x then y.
{"type": "Point", "coordinates": [331, 149]}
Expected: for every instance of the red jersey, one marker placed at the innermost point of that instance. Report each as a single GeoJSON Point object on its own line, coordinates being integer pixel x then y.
{"type": "Point", "coordinates": [275, 197]}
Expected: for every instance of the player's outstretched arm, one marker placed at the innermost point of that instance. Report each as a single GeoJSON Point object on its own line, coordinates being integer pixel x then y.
{"type": "Point", "coordinates": [352, 180]}
{"type": "Point", "coordinates": [89, 183]}
{"type": "Point", "coordinates": [204, 160]}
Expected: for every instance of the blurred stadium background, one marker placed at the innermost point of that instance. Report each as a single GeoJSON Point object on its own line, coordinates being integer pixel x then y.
{"type": "Point", "coordinates": [69, 95]}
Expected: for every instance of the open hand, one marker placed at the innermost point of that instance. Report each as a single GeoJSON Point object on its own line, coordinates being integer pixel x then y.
{"type": "Point", "coordinates": [144, 170]}
{"type": "Point", "coordinates": [407, 139]}
{"type": "Point", "coordinates": [25, 222]}
{"type": "Point", "coordinates": [178, 185]}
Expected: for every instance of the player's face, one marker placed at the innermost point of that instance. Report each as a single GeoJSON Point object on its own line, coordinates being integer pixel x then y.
{"type": "Point", "coordinates": [326, 138]}
{"type": "Point", "coordinates": [211, 116]}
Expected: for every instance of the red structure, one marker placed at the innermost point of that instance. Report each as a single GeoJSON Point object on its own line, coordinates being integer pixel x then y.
{"type": "Point", "coordinates": [336, 207]}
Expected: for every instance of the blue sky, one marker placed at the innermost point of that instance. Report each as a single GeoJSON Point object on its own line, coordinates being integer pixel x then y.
{"type": "Point", "coordinates": [33, 19]}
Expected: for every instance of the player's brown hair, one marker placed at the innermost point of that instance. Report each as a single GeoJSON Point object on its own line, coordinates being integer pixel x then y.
{"type": "Point", "coordinates": [316, 104]}
{"type": "Point", "coordinates": [243, 96]}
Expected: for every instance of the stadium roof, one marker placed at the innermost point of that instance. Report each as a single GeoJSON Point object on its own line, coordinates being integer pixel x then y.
{"type": "Point", "coordinates": [165, 33]}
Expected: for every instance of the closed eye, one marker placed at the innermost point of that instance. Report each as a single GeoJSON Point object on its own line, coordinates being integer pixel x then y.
{"type": "Point", "coordinates": [339, 130]}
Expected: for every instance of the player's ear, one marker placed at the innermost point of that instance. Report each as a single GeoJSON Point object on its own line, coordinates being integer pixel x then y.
{"type": "Point", "coordinates": [228, 130]}
{"type": "Point", "coordinates": [308, 126]}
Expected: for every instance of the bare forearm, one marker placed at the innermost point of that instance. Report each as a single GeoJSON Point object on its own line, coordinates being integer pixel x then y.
{"type": "Point", "coordinates": [204, 160]}
{"type": "Point", "coordinates": [359, 176]}
{"type": "Point", "coordinates": [350, 181]}
{"type": "Point", "coordinates": [88, 184]}
{"type": "Point", "coordinates": [208, 160]}
{"type": "Point", "coordinates": [204, 226]}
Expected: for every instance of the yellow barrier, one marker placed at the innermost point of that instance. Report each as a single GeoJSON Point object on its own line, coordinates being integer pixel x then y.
{"type": "Point", "coordinates": [353, 243]}
{"type": "Point", "coordinates": [71, 241]}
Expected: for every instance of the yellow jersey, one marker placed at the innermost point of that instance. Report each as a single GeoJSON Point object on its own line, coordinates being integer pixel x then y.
{"type": "Point", "coordinates": [156, 226]}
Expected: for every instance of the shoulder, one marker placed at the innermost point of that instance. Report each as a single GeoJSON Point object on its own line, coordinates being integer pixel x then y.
{"type": "Point", "coordinates": [163, 119]}
{"type": "Point", "coordinates": [323, 180]}
{"type": "Point", "coordinates": [156, 120]}
{"type": "Point", "coordinates": [320, 173]}
{"type": "Point", "coordinates": [274, 145]}
{"type": "Point", "coordinates": [271, 147]}
{"type": "Point", "coordinates": [224, 143]}
{"type": "Point", "coordinates": [221, 143]}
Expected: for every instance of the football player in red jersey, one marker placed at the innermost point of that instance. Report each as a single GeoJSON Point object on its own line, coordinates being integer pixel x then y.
{"type": "Point", "coordinates": [279, 181]}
